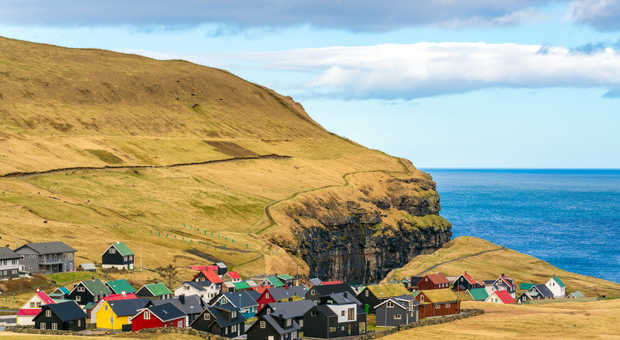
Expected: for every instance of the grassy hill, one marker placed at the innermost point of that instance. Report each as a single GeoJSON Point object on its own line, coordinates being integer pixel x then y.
{"type": "Point", "coordinates": [486, 261]}
{"type": "Point", "coordinates": [97, 146]}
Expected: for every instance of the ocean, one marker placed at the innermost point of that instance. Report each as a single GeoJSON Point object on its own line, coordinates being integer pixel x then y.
{"type": "Point", "coordinates": [569, 218]}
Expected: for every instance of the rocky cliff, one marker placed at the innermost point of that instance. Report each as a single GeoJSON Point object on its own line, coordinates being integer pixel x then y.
{"type": "Point", "coordinates": [359, 232]}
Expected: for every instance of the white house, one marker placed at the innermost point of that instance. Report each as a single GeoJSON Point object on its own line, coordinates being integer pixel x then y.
{"type": "Point", "coordinates": [31, 308]}
{"type": "Point", "coordinates": [206, 290]}
{"type": "Point", "coordinates": [557, 287]}
{"type": "Point", "coordinates": [346, 313]}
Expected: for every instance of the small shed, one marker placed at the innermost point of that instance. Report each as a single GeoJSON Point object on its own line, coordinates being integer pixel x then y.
{"type": "Point", "coordinates": [87, 267]}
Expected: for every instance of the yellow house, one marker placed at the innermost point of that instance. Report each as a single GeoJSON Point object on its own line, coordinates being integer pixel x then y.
{"type": "Point", "coordinates": [115, 314]}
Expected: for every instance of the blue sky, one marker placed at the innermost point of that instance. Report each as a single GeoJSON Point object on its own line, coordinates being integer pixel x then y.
{"type": "Point", "coordinates": [467, 83]}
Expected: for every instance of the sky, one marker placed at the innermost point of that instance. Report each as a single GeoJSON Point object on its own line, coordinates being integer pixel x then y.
{"type": "Point", "coordinates": [444, 83]}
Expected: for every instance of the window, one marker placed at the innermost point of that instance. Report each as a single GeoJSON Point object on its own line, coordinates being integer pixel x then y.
{"type": "Point", "coordinates": [262, 324]}
{"type": "Point", "coordinates": [180, 324]}
{"type": "Point", "coordinates": [437, 306]}
{"type": "Point", "coordinates": [226, 331]}
{"type": "Point", "coordinates": [366, 293]}
{"type": "Point", "coordinates": [342, 313]}
{"type": "Point", "coordinates": [42, 325]}
{"type": "Point", "coordinates": [351, 315]}
{"type": "Point", "coordinates": [447, 305]}
{"type": "Point", "coordinates": [233, 314]}
{"type": "Point", "coordinates": [421, 298]}
{"type": "Point", "coordinates": [267, 295]}
{"type": "Point", "coordinates": [207, 316]}
{"type": "Point", "coordinates": [48, 313]}
{"type": "Point", "coordinates": [390, 304]}
{"type": "Point", "coordinates": [313, 292]}
{"type": "Point", "coordinates": [54, 326]}
{"type": "Point", "coordinates": [301, 323]}
{"type": "Point", "coordinates": [112, 250]}
{"type": "Point", "coordinates": [397, 317]}
{"type": "Point", "coordinates": [78, 298]}
{"type": "Point", "coordinates": [332, 329]}
{"type": "Point", "coordinates": [289, 323]}
{"type": "Point", "coordinates": [362, 327]}
{"type": "Point", "coordinates": [342, 328]}
{"type": "Point", "coordinates": [270, 337]}
{"type": "Point", "coordinates": [81, 289]}
{"type": "Point", "coordinates": [147, 315]}
{"type": "Point", "coordinates": [233, 328]}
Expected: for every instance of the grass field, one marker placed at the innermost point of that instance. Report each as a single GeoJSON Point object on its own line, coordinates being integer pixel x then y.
{"type": "Point", "coordinates": [498, 260]}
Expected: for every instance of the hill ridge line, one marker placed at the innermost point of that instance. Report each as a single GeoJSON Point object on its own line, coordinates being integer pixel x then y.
{"type": "Point", "coordinates": [117, 167]}
{"type": "Point", "coordinates": [460, 258]}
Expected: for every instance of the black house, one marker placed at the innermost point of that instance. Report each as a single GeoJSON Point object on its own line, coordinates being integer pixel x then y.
{"type": "Point", "coordinates": [466, 282]}
{"type": "Point", "coordinates": [66, 316]}
{"type": "Point", "coordinates": [291, 310]}
{"type": "Point", "coordinates": [318, 292]}
{"type": "Point", "coordinates": [225, 321]}
{"type": "Point", "coordinates": [190, 305]}
{"type": "Point", "coordinates": [397, 311]}
{"type": "Point", "coordinates": [90, 291]}
{"type": "Point", "coordinates": [334, 321]}
{"type": "Point", "coordinates": [118, 256]}
{"type": "Point", "coordinates": [221, 268]}
{"type": "Point", "coordinates": [274, 326]}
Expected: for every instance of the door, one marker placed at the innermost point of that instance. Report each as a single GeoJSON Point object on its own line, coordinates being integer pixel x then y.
{"type": "Point", "coordinates": [349, 330]}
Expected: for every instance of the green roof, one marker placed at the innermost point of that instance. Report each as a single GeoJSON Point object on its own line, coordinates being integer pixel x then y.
{"type": "Point", "coordinates": [415, 293]}
{"type": "Point", "coordinates": [478, 294]}
{"type": "Point", "coordinates": [285, 277]}
{"type": "Point", "coordinates": [241, 285]}
{"type": "Point", "coordinates": [388, 290]}
{"type": "Point", "coordinates": [526, 286]}
{"type": "Point", "coordinates": [122, 249]}
{"type": "Point", "coordinates": [97, 287]}
{"type": "Point", "coordinates": [158, 289]}
{"type": "Point", "coordinates": [120, 286]}
{"type": "Point", "coordinates": [275, 281]}
{"type": "Point", "coordinates": [560, 282]}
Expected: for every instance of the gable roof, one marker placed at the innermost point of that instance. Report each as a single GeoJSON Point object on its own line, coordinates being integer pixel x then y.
{"type": "Point", "coordinates": [504, 296]}
{"type": "Point", "coordinates": [559, 281]}
{"type": "Point", "coordinates": [166, 312]}
{"type": "Point", "coordinates": [315, 281]}
{"type": "Point", "coordinates": [285, 277]}
{"type": "Point", "coordinates": [211, 276]}
{"type": "Point", "coordinates": [470, 279]}
{"type": "Point", "coordinates": [189, 304]}
{"type": "Point", "coordinates": [67, 311]}
{"type": "Point", "coordinates": [220, 318]}
{"type": "Point", "coordinates": [128, 307]}
{"type": "Point", "coordinates": [201, 285]}
{"type": "Point", "coordinates": [344, 298]}
{"type": "Point", "coordinates": [383, 291]}
{"type": "Point", "coordinates": [293, 309]}
{"type": "Point", "coordinates": [122, 248]}
{"type": "Point", "coordinates": [543, 290]}
{"type": "Point", "coordinates": [325, 310]}
{"type": "Point", "coordinates": [239, 299]}
{"type": "Point", "coordinates": [233, 275]}
{"type": "Point", "coordinates": [96, 287]}
{"type": "Point", "coordinates": [280, 293]}
{"type": "Point", "coordinates": [439, 295]}
{"type": "Point", "coordinates": [330, 289]}
{"type": "Point", "coordinates": [274, 281]}
{"type": "Point", "coordinates": [241, 285]}
{"type": "Point", "coordinates": [478, 294]}
{"type": "Point", "coordinates": [120, 286]}
{"type": "Point", "coordinates": [276, 326]}
{"type": "Point", "coordinates": [526, 286]}
{"type": "Point", "coordinates": [506, 280]}
{"type": "Point", "coordinates": [8, 254]}
{"type": "Point", "coordinates": [44, 297]}
{"type": "Point", "coordinates": [116, 297]}
{"type": "Point", "coordinates": [44, 248]}
{"type": "Point", "coordinates": [402, 301]}
{"type": "Point", "coordinates": [157, 289]}
{"type": "Point", "coordinates": [437, 279]}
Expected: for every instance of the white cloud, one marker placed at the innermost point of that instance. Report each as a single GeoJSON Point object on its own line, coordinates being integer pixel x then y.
{"type": "Point", "coordinates": [601, 14]}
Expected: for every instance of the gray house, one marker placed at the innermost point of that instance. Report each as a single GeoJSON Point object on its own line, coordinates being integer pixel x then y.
{"type": "Point", "coordinates": [9, 263]}
{"type": "Point", "coordinates": [397, 311]}
{"type": "Point", "coordinates": [47, 257]}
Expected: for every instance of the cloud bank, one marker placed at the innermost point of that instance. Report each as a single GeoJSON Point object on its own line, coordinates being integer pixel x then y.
{"type": "Point", "coordinates": [354, 15]}
{"type": "Point", "coordinates": [603, 15]}
{"type": "Point", "coordinates": [408, 71]}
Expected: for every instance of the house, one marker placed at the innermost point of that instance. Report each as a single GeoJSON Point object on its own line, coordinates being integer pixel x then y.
{"type": "Point", "coordinates": [505, 283]}
{"type": "Point", "coordinates": [154, 291]}
{"type": "Point", "coordinates": [274, 326]}
{"type": "Point", "coordinates": [221, 268]}
{"type": "Point", "coordinates": [47, 257]}
{"type": "Point", "coordinates": [65, 316]}
{"type": "Point", "coordinates": [478, 294]}
{"type": "Point", "coordinates": [25, 316]}
{"type": "Point", "coordinates": [334, 321]}
{"type": "Point", "coordinates": [413, 283]}
{"type": "Point", "coordinates": [205, 289]}
{"type": "Point", "coordinates": [576, 295]}
{"type": "Point", "coordinates": [228, 286]}
{"type": "Point", "coordinates": [208, 275]}
{"type": "Point", "coordinates": [397, 311]}
{"type": "Point", "coordinates": [90, 291]}
{"type": "Point", "coordinates": [438, 302]}
{"type": "Point", "coordinates": [314, 282]}
{"type": "Point", "coordinates": [526, 286]}
{"type": "Point", "coordinates": [59, 293]}
{"type": "Point", "coordinates": [291, 310]}
{"type": "Point", "coordinates": [279, 294]}
{"type": "Point", "coordinates": [272, 281]}
{"type": "Point", "coordinates": [120, 286]}
{"type": "Point", "coordinates": [114, 297]}
{"type": "Point", "coordinates": [375, 294]}
{"type": "Point", "coordinates": [252, 284]}
{"type": "Point", "coordinates": [319, 291]}
{"type": "Point", "coordinates": [500, 296]}
{"type": "Point", "coordinates": [225, 321]}
{"type": "Point", "coordinates": [162, 316]}
{"type": "Point", "coordinates": [241, 285]}
{"type": "Point", "coordinates": [557, 287]}
{"type": "Point", "coordinates": [231, 277]}
{"type": "Point", "coordinates": [466, 282]}
{"type": "Point", "coordinates": [433, 281]}
{"type": "Point", "coordinates": [9, 263]}
{"type": "Point", "coordinates": [115, 314]}
{"type": "Point", "coordinates": [87, 267]}
{"type": "Point", "coordinates": [540, 292]}
{"type": "Point", "coordinates": [191, 305]}
{"type": "Point", "coordinates": [288, 280]}
{"type": "Point", "coordinates": [117, 256]}
{"type": "Point", "coordinates": [243, 301]}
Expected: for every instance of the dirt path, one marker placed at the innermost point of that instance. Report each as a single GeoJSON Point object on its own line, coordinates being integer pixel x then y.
{"type": "Point", "coordinates": [127, 167]}
{"type": "Point", "coordinates": [458, 259]}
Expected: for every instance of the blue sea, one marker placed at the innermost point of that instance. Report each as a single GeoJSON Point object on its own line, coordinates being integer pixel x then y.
{"type": "Point", "coordinates": [569, 218]}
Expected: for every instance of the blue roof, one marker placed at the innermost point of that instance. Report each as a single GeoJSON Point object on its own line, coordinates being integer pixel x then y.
{"type": "Point", "coordinates": [239, 299]}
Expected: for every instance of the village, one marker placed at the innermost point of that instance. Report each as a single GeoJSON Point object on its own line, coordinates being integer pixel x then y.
{"type": "Point", "coordinates": [219, 302]}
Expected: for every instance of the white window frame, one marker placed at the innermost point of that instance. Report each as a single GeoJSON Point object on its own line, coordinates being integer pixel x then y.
{"type": "Point", "coordinates": [206, 316]}
{"type": "Point", "coordinates": [390, 304]}
{"type": "Point", "coordinates": [262, 325]}
{"type": "Point", "coordinates": [147, 315]}
{"type": "Point", "coordinates": [112, 250]}
{"type": "Point", "coordinates": [398, 317]}
{"type": "Point", "coordinates": [42, 325]}
{"type": "Point", "coordinates": [54, 326]}
{"type": "Point", "coordinates": [48, 313]}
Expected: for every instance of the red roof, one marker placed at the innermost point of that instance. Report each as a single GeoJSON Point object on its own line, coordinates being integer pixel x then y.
{"type": "Point", "coordinates": [260, 289]}
{"type": "Point", "coordinates": [507, 280]}
{"type": "Point", "coordinates": [470, 279]}
{"type": "Point", "coordinates": [45, 298]}
{"type": "Point", "coordinates": [198, 268]}
{"type": "Point", "coordinates": [212, 267]}
{"type": "Point", "coordinates": [28, 312]}
{"type": "Point", "coordinates": [234, 275]}
{"type": "Point", "coordinates": [329, 283]}
{"type": "Point", "coordinates": [211, 276]}
{"type": "Point", "coordinates": [504, 296]}
{"type": "Point", "coordinates": [116, 297]}
{"type": "Point", "coordinates": [437, 279]}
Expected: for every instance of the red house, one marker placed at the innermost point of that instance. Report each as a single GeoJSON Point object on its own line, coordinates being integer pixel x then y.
{"type": "Point", "coordinates": [207, 275]}
{"type": "Point", "coordinates": [438, 302]}
{"type": "Point", "coordinates": [265, 297]}
{"type": "Point", "coordinates": [433, 281]}
{"type": "Point", "coordinates": [162, 316]}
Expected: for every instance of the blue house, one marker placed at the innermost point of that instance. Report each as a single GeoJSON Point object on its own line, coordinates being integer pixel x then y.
{"type": "Point", "coordinates": [243, 301]}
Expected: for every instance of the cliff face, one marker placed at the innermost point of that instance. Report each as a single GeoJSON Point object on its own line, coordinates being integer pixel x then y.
{"type": "Point", "coordinates": [359, 233]}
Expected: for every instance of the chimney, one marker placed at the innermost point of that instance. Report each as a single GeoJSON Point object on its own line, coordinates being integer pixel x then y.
{"type": "Point", "coordinates": [182, 299]}
{"type": "Point", "coordinates": [123, 293]}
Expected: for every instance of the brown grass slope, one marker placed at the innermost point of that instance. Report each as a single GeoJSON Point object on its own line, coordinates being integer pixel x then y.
{"type": "Point", "coordinates": [456, 257]}
{"type": "Point", "coordinates": [76, 108]}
